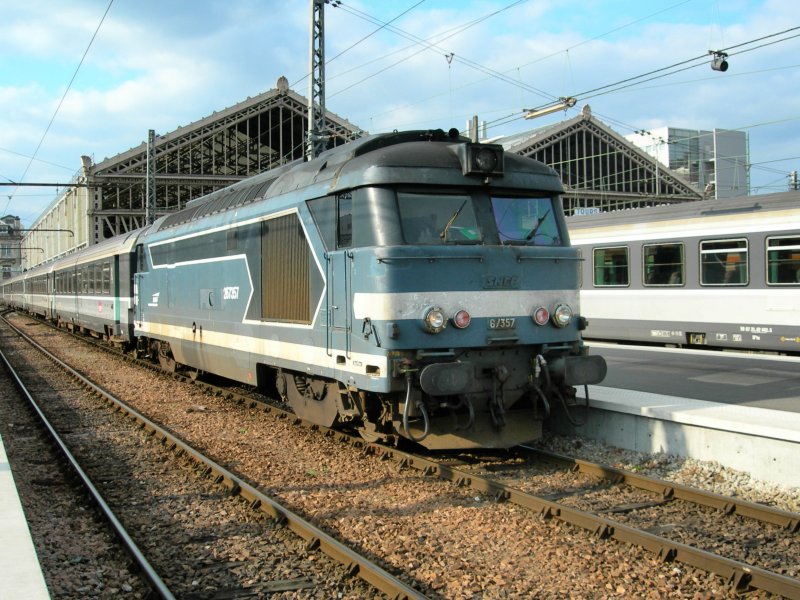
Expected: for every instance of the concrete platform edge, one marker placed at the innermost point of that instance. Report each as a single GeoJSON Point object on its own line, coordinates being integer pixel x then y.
{"type": "Point", "coordinates": [761, 442]}
{"type": "Point", "coordinates": [20, 572]}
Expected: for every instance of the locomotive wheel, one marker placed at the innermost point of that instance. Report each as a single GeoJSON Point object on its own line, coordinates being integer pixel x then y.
{"type": "Point", "coordinates": [369, 434]}
{"type": "Point", "coordinates": [312, 399]}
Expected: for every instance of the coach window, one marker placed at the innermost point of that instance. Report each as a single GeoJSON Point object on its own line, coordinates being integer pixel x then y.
{"type": "Point", "coordinates": [106, 278]}
{"type": "Point", "coordinates": [663, 264]}
{"type": "Point", "coordinates": [92, 279]}
{"type": "Point", "coordinates": [783, 261]}
{"type": "Point", "coordinates": [611, 266]}
{"type": "Point", "coordinates": [723, 262]}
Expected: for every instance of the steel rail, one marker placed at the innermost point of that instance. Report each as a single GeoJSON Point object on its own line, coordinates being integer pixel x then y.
{"type": "Point", "coordinates": [669, 490]}
{"type": "Point", "coordinates": [157, 584]}
{"type": "Point", "coordinates": [315, 538]}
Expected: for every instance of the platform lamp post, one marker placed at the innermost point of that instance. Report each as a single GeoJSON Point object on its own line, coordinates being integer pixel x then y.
{"type": "Point", "coordinates": [36, 229]}
{"type": "Point", "coordinates": [69, 231]}
{"type": "Point", "coordinates": [21, 248]}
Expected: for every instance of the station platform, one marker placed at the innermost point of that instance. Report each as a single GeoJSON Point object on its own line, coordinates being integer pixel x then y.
{"type": "Point", "coordinates": [20, 573]}
{"type": "Point", "coordinates": [760, 441]}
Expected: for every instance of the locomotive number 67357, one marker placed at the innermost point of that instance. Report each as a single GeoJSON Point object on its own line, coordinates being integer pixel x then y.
{"type": "Point", "coordinates": [405, 285]}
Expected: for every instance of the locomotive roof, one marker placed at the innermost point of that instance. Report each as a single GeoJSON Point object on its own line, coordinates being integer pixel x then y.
{"type": "Point", "coordinates": [408, 156]}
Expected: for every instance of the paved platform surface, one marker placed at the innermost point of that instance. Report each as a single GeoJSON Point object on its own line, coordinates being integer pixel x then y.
{"type": "Point", "coordinates": [20, 574]}
{"type": "Point", "coordinates": [757, 380]}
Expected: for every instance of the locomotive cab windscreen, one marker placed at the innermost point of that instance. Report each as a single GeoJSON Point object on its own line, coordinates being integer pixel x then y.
{"type": "Point", "coordinates": [378, 216]}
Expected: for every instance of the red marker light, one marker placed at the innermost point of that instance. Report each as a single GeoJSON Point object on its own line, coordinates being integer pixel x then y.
{"type": "Point", "coordinates": [462, 319]}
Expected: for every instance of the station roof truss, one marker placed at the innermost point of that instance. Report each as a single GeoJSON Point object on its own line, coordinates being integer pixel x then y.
{"type": "Point", "coordinates": [599, 168]}
{"type": "Point", "coordinates": [246, 139]}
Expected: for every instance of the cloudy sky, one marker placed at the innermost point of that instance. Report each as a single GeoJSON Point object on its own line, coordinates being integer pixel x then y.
{"type": "Point", "coordinates": [78, 77]}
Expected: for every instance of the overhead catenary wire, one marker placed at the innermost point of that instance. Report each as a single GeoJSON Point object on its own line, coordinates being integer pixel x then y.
{"type": "Point", "coordinates": [638, 79]}
{"type": "Point", "coordinates": [492, 73]}
{"type": "Point", "coordinates": [428, 44]}
{"type": "Point", "coordinates": [657, 74]}
{"type": "Point", "coordinates": [363, 39]}
{"type": "Point", "coordinates": [63, 97]}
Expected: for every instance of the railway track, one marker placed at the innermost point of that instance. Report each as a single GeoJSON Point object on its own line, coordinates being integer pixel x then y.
{"type": "Point", "coordinates": [707, 529]}
{"type": "Point", "coordinates": [58, 497]}
{"type": "Point", "coordinates": [136, 484]}
{"type": "Point", "coordinates": [613, 505]}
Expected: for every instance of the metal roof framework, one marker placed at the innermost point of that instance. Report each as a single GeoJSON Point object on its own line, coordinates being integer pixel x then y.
{"type": "Point", "coordinates": [599, 168]}
{"type": "Point", "coordinates": [248, 138]}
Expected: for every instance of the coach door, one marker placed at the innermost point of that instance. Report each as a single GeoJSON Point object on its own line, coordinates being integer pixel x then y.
{"type": "Point", "coordinates": [140, 268]}
{"type": "Point", "coordinates": [138, 308]}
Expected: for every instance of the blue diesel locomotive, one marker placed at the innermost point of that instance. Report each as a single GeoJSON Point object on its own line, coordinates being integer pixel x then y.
{"type": "Point", "coordinates": [405, 285]}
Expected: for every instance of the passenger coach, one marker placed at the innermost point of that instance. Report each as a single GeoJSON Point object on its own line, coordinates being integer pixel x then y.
{"type": "Point", "coordinates": [88, 291]}
{"type": "Point", "coordinates": [722, 273]}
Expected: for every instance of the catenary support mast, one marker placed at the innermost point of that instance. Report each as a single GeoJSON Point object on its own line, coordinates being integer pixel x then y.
{"type": "Point", "coordinates": [316, 88]}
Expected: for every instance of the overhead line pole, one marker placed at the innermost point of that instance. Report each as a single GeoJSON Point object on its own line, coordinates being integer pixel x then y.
{"type": "Point", "coordinates": [150, 181]}
{"type": "Point", "coordinates": [316, 86]}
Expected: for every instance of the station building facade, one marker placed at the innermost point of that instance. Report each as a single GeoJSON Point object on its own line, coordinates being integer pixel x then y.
{"type": "Point", "coordinates": [10, 246]}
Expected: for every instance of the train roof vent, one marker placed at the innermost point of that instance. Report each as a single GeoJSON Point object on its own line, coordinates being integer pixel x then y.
{"type": "Point", "coordinates": [217, 202]}
{"type": "Point", "coordinates": [376, 142]}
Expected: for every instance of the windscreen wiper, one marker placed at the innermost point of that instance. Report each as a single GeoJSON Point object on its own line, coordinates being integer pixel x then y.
{"type": "Point", "coordinates": [538, 224]}
{"type": "Point", "coordinates": [452, 219]}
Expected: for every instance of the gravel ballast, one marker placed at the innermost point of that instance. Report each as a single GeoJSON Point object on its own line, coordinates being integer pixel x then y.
{"type": "Point", "coordinates": [447, 541]}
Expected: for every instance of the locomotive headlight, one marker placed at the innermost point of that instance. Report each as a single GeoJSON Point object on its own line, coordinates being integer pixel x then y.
{"type": "Point", "coordinates": [562, 315]}
{"type": "Point", "coordinates": [462, 319]}
{"type": "Point", "coordinates": [486, 160]}
{"type": "Point", "coordinates": [434, 320]}
{"type": "Point", "coordinates": [541, 316]}
{"type": "Point", "coordinates": [481, 159]}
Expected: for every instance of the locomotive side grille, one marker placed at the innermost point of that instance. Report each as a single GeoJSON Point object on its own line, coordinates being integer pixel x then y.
{"type": "Point", "coordinates": [284, 271]}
